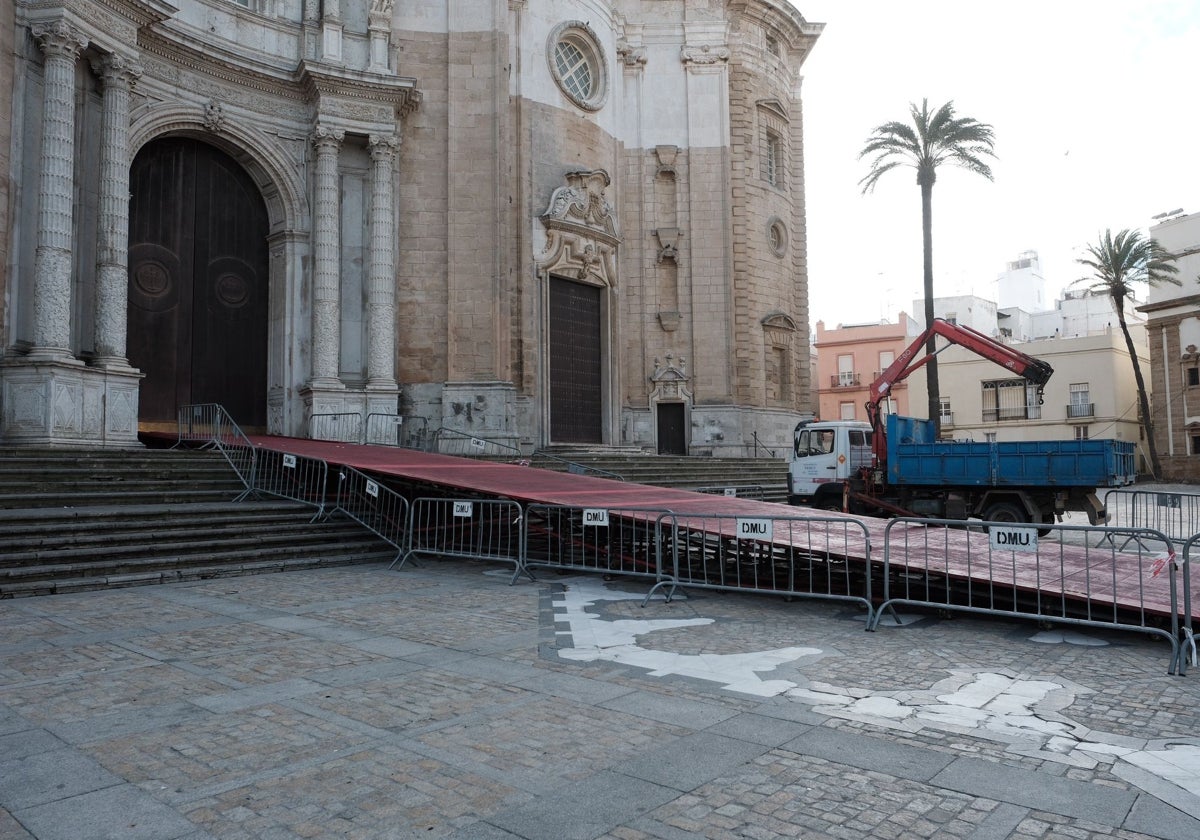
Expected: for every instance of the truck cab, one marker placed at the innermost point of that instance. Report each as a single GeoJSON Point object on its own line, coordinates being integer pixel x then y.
{"type": "Point", "coordinates": [824, 455]}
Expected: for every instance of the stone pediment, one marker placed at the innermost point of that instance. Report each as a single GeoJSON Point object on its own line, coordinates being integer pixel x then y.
{"type": "Point", "coordinates": [775, 107]}
{"type": "Point", "coordinates": [581, 231]}
{"type": "Point", "coordinates": [779, 321]}
{"type": "Point", "coordinates": [580, 207]}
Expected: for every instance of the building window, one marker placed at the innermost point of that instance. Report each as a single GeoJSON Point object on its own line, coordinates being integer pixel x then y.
{"type": "Point", "coordinates": [772, 44]}
{"type": "Point", "coordinates": [772, 158]}
{"type": "Point", "coordinates": [951, 318]}
{"type": "Point", "coordinates": [777, 236]}
{"type": "Point", "coordinates": [1196, 444]}
{"type": "Point", "coordinates": [846, 377]}
{"type": "Point", "coordinates": [846, 410]}
{"type": "Point", "coordinates": [1081, 404]}
{"type": "Point", "coordinates": [945, 414]}
{"type": "Point", "coordinates": [1010, 399]}
{"type": "Point", "coordinates": [990, 437]}
{"type": "Point", "coordinates": [577, 66]}
{"type": "Point", "coordinates": [1081, 433]}
{"type": "Point", "coordinates": [886, 358]}
{"type": "Point", "coordinates": [1191, 376]}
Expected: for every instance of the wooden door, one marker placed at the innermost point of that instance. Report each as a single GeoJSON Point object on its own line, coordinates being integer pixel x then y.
{"type": "Point", "coordinates": [198, 283]}
{"type": "Point", "coordinates": [576, 380]}
{"type": "Point", "coordinates": [672, 429]}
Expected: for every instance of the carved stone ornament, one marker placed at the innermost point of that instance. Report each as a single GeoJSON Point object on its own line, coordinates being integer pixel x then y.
{"type": "Point", "coordinates": [631, 56]}
{"type": "Point", "coordinates": [668, 244]}
{"type": "Point", "coordinates": [581, 231]}
{"type": "Point", "coordinates": [704, 55]}
{"type": "Point", "coordinates": [214, 116]}
{"type": "Point", "coordinates": [670, 381]}
{"type": "Point", "coordinates": [666, 159]}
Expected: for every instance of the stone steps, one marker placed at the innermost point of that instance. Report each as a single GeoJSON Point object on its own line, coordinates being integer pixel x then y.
{"type": "Point", "coordinates": [74, 520]}
{"type": "Point", "coordinates": [678, 471]}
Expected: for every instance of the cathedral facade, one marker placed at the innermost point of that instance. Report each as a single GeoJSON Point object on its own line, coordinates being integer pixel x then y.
{"type": "Point", "coordinates": [538, 222]}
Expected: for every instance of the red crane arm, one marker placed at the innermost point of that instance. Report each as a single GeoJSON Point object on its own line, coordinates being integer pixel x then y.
{"type": "Point", "coordinates": [1022, 364]}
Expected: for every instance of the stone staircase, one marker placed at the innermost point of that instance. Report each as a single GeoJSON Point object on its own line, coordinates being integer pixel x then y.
{"type": "Point", "coordinates": [73, 520]}
{"type": "Point", "coordinates": [751, 475]}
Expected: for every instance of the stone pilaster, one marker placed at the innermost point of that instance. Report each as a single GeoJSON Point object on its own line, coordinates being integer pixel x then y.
{"type": "Point", "coordinates": [61, 45]}
{"type": "Point", "coordinates": [118, 74]}
{"type": "Point", "coordinates": [379, 30]}
{"type": "Point", "coordinates": [326, 309]}
{"type": "Point", "coordinates": [381, 283]}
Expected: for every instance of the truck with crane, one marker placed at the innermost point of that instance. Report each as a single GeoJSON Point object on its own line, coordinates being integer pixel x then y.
{"type": "Point", "coordinates": [896, 466]}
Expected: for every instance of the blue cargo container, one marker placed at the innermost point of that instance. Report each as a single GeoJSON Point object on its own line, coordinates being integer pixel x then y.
{"type": "Point", "coordinates": [915, 458]}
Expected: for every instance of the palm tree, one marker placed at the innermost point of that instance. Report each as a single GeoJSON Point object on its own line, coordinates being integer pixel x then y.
{"type": "Point", "coordinates": [1117, 262]}
{"type": "Point", "coordinates": [933, 138]}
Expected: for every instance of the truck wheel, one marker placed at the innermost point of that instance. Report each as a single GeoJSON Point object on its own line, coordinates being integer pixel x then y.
{"type": "Point", "coordinates": [829, 502]}
{"type": "Point", "coordinates": [1005, 512]}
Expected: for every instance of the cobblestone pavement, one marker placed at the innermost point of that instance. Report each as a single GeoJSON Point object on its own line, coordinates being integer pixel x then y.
{"type": "Point", "coordinates": [440, 702]}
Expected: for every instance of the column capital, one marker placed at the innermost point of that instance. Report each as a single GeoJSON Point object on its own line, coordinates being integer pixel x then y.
{"type": "Point", "coordinates": [117, 70]}
{"type": "Point", "coordinates": [700, 56]}
{"type": "Point", "coordinates": [383, 146]}
{"type": "Point", "coordinates": [327, 137]}
{"type": "Point", "coordinates": [59, 38]}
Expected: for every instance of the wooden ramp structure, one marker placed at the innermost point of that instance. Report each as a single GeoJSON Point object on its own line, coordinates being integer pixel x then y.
{"type": "Point", "coordinates": [1118, 578]}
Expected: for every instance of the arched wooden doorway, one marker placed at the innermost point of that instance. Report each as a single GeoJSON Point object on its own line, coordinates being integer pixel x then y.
{"type": "Point", "coordinates": [198, 283]}
{"type": "Point", "coordinates": [576, 370]}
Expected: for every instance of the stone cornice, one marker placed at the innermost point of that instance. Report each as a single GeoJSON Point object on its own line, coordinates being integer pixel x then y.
{"type": "Point", "coordinates": [1192, 301]}
{"type": "Point", "coordinates": [304, 82]}
{"type": "Point", "coordinates": [325, 80]}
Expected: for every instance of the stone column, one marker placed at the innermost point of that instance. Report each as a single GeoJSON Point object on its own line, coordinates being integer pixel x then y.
{"type": "Point", "coordinates": [326, 303]}
{"type": "Point", "coordinates": [61, 44]}
{"type": "Point", "coordinates": [118, 74]}
{"type": "Point", "coordinates": [381, 283]}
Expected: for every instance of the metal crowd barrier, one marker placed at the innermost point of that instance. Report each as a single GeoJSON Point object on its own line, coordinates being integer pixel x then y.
{"type": "Point", "coordinates": [740, 491]}
{"type": "Point", "coordinates": [453, 442]}
{"type": "Point", "coordinates": [408, 431]}
{"type": "Point", "coordinates": [800, 557]}
{"type": "Point", "coordinates": [339, 426]}
{"type": "Point", "coordinates": [619, 541]}
{"type": "Point", "coordinates": [1175, 514]}
{"type": "Point", "coordinates": [295, 477]}
{"type": "Point", "coordinates": [1189, 637]}
{"type": "Point", "coordinates": [209, 425]}
{"type": "Point", "coordinates": [374, 506]}
{"type": "Point", "coordinates": [1011, 571]}
{"type": "Point", "coordinates": [478, 529]}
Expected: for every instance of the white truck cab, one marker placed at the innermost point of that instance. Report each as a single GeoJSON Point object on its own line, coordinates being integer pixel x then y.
{"type": "Point", "coordinates": [824, 454]}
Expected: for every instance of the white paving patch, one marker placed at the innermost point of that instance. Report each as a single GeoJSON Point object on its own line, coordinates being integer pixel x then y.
{"type": "Point", "coordinates": [1025, 714]}
{"type": "Point", "coordinates": [596, 639]}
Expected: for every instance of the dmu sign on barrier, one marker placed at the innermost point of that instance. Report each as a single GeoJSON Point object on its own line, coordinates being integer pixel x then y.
{"type": "Point", "coordinates": [755, 529]}
{"type": "Point", "coordinates": [595, 517]}
{"type": "Point", "coordinates": [1013, 539]}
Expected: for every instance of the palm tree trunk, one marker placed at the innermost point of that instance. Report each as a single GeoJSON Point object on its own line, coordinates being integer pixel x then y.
{"type": "Point", "coordinates": [931, 371]}
{"type": "Point", "coordinates": [1143, 399]}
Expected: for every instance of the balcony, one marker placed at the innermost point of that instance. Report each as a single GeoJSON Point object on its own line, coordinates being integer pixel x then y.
{"type": "Point", "coordinates": [846, 379]}
{"type": "Point", "coordinates": [1003, 415]}
{"type": "Point", "coordinates": [1075, 410]}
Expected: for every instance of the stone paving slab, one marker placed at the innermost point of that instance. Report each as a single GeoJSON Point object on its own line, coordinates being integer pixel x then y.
{"type": "Point", "coordinates": [442, 702]}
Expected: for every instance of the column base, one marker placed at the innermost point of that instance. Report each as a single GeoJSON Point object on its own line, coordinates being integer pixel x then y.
{"type": "Point", "coordinates": [62, 402]}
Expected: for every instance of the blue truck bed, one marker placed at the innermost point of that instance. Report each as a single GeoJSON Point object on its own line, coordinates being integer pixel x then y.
{"type": "Point", "coordinates": [914, 457]}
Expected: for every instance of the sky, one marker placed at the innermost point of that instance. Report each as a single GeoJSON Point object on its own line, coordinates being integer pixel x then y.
{"type": "Point", "coordinates": [1096, 110]}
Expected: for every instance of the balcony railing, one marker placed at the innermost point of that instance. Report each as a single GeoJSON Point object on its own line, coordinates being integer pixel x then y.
{"type": "Point", "coordinates": [845, 380]}
{"type": "Point", "coordinates": [1000, 415]}
{"type": "Point", "coordinates": [946, 418]}
{"type": "Point", "coordinates": [1081, 410]}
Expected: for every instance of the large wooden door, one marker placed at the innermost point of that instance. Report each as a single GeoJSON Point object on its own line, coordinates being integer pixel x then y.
{"type": "Point", "coordinates": [576, 381]}
{"type": "Point", "coordinates": [197, 283]}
